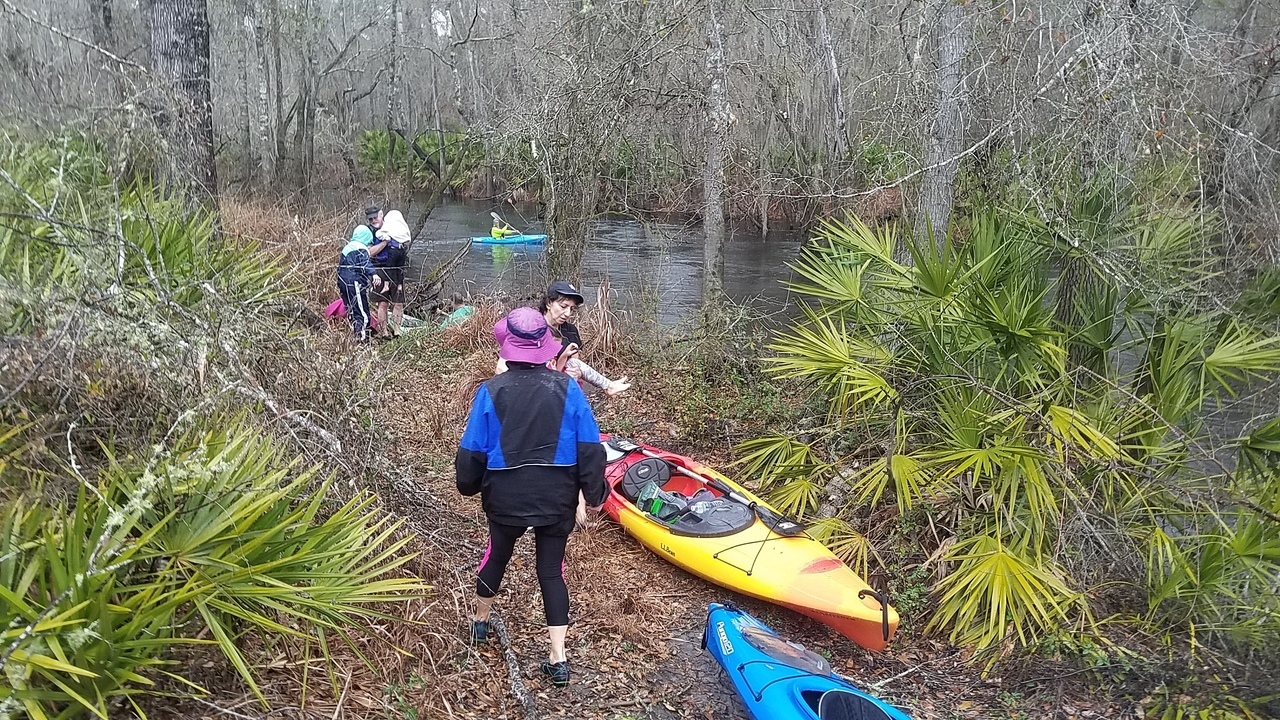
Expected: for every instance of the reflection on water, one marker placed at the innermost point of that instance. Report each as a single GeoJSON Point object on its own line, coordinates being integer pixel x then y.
{"type": "Point", "coordinates": [655, 265]}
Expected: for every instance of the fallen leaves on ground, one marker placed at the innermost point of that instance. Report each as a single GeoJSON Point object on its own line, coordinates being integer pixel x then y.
{"type": "Point", "coordinates": [636, 622]}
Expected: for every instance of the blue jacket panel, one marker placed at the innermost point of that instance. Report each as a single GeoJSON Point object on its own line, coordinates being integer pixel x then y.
{"type": "Point", "coordinates": [531, 444]}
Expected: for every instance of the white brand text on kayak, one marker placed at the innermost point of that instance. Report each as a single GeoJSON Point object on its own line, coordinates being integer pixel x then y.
{"type": "Point", "coordinates": [726, 647]}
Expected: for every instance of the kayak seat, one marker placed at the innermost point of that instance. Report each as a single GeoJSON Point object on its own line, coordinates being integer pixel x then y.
{"type": "Point", "coordinates": [713, 518]}
{"type": "Point", "coordinates": [845, 705]}
{"type": "Point", "coordinates": [649, 470]}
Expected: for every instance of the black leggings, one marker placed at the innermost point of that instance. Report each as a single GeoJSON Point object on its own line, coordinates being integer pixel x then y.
{"type": "Point", "coordinates": [549, 544]}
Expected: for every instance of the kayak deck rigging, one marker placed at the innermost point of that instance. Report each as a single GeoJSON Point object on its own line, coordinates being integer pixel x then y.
{"type": "Point", "coordinates": [744, 543]}
{"type": "Point", "coordinates": [706, 524]}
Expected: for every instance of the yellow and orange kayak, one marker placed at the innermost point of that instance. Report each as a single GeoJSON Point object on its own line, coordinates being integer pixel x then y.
{"type": "Point", "coordinates": [725, 542]}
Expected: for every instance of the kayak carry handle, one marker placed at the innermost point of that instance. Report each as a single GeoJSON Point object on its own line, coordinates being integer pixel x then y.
{"type": "Point", "coordinates": [883, 599]}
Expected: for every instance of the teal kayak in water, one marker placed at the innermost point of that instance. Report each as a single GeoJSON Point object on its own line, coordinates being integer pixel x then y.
{"type": "Point", "coordinates": [510, 240]}
{"type": "Point", "coordinates": [781, 680]}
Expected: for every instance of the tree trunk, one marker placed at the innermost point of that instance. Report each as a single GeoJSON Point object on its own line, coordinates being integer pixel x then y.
{"type": "Point", "coordinates": [393, 93]}
{"type": "Point", "coordinates": [1236, 108]}
{"type": "Point", "coordinates": [248, 148]}
{"type": "Point", "coordinates": [262, 146]}
{"type": "Point", "coordinates": [573, 183]}
{"type": "Point", "coordinates": [435, 109]}
{"type": "Point", "coordinates": [917, 52]}
{"type": "Point", "coordinates": [304, 137]}
{"type": "Point", "coordinates": [947, 135]}
{"type": "Point", "coordinates": [713, 181]}
{"type": "Point", "coordinates": [1107, 93]}
{"type": "Point", "coordinates": [398, 86]}
{"type": "Point", "coordinates": [179, 45]}
{"type": "Point", "coordinates": [1104, 93]}
{"type": "Point", "coordinates": [839, 121]}
{"type": "Point", "coordinates": [764, 201]}
{"type": "Point", "coordinates": [279, 131]}
{"type": "Point", "coordinates": [477, 109]}
{"type": "Point", "coordinates": [102, 22]}
{"type": "Point", "coordinates": [459, 97]}
{"type": "Point", "coordinates": [308, 126]}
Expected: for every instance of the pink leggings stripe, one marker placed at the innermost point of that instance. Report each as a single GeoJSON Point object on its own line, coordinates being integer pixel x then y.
{"type": "Point", "coordinates": [488, 548]}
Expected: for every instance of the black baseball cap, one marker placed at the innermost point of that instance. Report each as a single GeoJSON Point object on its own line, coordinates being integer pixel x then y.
{"type": "Point", "coordinates": [372, 212]}
{"type": "Point", "coordinates": [564, 288]}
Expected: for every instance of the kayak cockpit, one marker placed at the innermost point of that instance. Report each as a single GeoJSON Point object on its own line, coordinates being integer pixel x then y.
{"type": "Point", "coordinates": [842, 705]}
{"type": "Point", "coordinates": [679, 503]}
{"type": "Point", "coordinates": [826, 703]}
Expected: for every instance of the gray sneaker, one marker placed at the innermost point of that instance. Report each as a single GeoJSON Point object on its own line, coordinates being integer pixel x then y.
{"type": "Point", "coordinates": [558, 672]}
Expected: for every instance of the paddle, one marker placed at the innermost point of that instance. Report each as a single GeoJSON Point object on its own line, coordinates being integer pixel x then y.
{"type": "Point", "coordinates": [776, 522]}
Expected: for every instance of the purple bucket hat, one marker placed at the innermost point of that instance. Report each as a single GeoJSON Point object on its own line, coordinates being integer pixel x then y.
{"type": "Point", "coordinates": [524, 337]}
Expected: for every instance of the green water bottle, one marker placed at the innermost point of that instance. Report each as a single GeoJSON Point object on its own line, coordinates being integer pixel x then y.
{"type": "Point", "coordinates": [650, 499]}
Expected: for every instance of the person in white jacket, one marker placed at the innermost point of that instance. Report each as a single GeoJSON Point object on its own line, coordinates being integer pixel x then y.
{"type": "Point", "coordinates": [391, 264]}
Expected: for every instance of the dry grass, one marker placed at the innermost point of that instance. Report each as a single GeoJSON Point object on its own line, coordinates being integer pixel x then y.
{"type": "Point", "coordinates": [606, 346]}
{"type": "Point", "coordinates": [309, 244]}
{"type": "Point", "coordinates": [477, 332]}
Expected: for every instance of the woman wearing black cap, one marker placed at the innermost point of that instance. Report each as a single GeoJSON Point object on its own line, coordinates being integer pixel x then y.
{"type": "Point", "coordinates": [556, 306]}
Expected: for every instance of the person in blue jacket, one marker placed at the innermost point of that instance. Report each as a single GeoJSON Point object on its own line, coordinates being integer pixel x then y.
{"type": "Point", "coordinates": [530, 446]}
{"type": "Point", "coordinates": [356, 274]}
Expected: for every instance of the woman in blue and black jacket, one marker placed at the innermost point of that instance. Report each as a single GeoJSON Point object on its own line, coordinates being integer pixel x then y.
{"type": "Point", "coordinates": [355, 275]}
{"type": "Point", "coordinates": [531, 445]}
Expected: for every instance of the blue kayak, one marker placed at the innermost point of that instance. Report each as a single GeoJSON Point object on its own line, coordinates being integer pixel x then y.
{"type": "Point", "coordinates": [510, 240]}
{"type": "Point", "coordinates": [781, 680]}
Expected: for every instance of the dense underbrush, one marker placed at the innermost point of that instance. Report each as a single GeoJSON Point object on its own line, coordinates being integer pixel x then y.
{"type": "Point", "coordinates": [1057, 440]}
{"type": "Point", "coordinates": [177, 451]}
{"type": "Point", "coordinates": [189, 461]}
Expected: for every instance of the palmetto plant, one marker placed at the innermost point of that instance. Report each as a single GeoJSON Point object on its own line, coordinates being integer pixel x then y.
{"type": "Point", "coordinates": [219, 534]}
{"type": "Point", "coordinates": [140, 310]}
{"type": "Point", "coordinates": [1055, 450]}
{"type": "Point", "coordinates": [127, 275]}
{"type": "Point", "coordinates": [376, 147]}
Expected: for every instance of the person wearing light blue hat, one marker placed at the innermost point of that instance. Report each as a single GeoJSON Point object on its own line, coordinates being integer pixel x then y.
{"type": "Point", "coordinates": [356, 274]}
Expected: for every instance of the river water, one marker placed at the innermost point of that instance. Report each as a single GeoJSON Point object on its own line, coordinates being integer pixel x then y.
{"type": "Point", "coordinates": [654, 271]}
{"type": "Point", "coordinates": [654, 268]}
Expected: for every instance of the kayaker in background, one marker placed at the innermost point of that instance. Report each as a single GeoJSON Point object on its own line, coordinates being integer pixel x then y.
{"type": "Point", "coordinates": [501, 229]}
{"type": "Point", "coordinates": [557, 306]}
{"type": "Point", "coordinates": [531, 446]}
